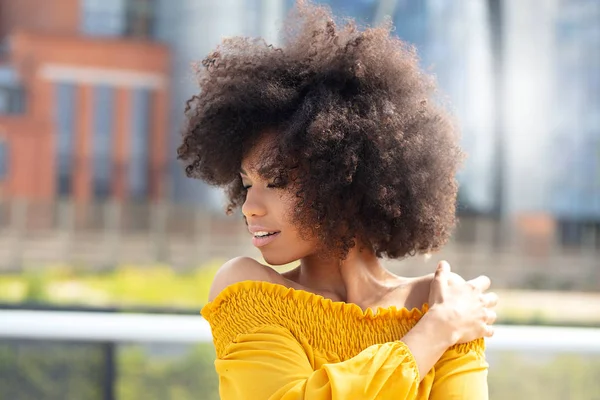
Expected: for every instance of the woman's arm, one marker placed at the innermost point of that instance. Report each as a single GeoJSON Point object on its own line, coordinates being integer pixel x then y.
{"type": "Point", "coordinates": [427, 341]}
{"type": "Point", "coordinates": [270, 363]}
{"type": "Point", "coordinates": [461, 373]}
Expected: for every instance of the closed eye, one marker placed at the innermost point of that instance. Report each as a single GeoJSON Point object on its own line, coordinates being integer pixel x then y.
{"type": "Point", "coordinates": [269, 186]}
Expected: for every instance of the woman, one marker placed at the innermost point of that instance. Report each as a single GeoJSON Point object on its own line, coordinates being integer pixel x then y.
{"type": "Point", "coordinates": [338, 157]}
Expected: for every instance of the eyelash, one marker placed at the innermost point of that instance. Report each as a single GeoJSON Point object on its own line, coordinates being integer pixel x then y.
{"type": "Point", "coordinates": [269, 186]}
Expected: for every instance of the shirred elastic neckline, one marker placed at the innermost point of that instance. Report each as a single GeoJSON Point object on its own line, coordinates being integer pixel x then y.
{"type": "Point", "coordinates": [305, 296]}
{"type": "Point", "coordinates": [333, 327]}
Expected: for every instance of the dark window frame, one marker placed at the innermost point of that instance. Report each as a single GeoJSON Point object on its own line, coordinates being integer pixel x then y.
{"type": "Point", "coordinates": [65, 113]}
{"type": "Point", "coordinates": [4, 159]}
{"type": "Point", "coordinates": [103, 136]}
{"type": "Point", "coordinates": [129, 18]}
{"type": "Point", "coordinates": [139, 174]}
{"type": "Point", "coordinates": [16, 96]}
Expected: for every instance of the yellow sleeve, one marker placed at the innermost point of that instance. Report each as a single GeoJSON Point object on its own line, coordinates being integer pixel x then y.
{"type": "Point", "coordinates": [461, 373]}
{"type": "Point", "coordinates": [270, 363]}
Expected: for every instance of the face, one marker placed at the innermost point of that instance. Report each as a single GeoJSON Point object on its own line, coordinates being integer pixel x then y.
{"type": "Point", "coordinates": [268, 210]}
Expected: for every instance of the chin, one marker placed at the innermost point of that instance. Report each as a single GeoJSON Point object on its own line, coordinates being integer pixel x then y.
{"type": "Point", "coordinates": [277, 259]}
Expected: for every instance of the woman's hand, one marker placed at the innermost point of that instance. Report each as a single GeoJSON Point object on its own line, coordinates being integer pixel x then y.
{"type": "Point", "coordinates": [462, 306]}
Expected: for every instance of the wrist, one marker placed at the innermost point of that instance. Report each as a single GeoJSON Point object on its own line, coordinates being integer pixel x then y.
{"type": "Point", "coordinates": [428, 340]}
{"type": "Point", "coordinates": [442, 324]}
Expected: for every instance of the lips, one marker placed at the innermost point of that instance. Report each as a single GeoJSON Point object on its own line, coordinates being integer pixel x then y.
{"type": "Point", "coordinates": [261, 236]}
{"type": "Point", "coordinates": [260, 241]}
{"type": "Point", "coordinates": [263, 233]}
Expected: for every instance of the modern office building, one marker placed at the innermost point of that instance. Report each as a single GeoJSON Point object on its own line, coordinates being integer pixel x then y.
{"type": "Point", "coordinates": [576, 111]}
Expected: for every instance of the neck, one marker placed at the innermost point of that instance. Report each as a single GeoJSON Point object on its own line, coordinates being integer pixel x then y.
{"type": "Point", "coordinates": [359, 279]}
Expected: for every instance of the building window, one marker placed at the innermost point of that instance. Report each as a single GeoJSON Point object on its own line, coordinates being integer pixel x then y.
{"type": "Point", "coordinates": [141, 17]}
{"type": "Point", "coordinates": [65, 111]}
{"type": "Point", "coordinates": [3, 159]}
{"type": "Point", "coordinates": [579, 233]}
{"type": "Point", "coordinates": [102, 141]}
{"type": "Point", "coordinates": [140, 144]}
{"type": "Point", "coordinates": [12, 100]}
{"type": "Point", "coordinates": [103, 17]}
{"type": "Point", "coordinates": [113, 18]}
{"type": "Point", "coordinates": [12, 93]}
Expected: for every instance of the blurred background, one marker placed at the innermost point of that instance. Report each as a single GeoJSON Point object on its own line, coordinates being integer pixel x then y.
{"type": "Point", "coordinates": [97, 215]}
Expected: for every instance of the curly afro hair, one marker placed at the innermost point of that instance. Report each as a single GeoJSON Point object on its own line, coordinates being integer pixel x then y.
{"type": "Point", "coordinates": [373, 157]}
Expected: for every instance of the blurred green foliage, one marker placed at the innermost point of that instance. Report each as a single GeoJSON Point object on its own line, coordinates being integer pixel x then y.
{"type": "Point", "coordinates": [541, 376]}
{"type": "Point", "coordinates": [67, 371]}
{"type": "Point", "coordinates": [35, 288]}
{"type": "Point", "coordinates": [126, 285]}
{"type": "Point", "coordinates": [191, 376]}
{"type": "Point", "coordinates": [32, 370]}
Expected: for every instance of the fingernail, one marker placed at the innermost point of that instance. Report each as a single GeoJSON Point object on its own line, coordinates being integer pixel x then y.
{"type": "Point", "coordinates": [444, 266]}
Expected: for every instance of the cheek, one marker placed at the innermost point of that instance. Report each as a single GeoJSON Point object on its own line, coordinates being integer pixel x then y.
{"type": "Point", "coordinates": [285, 206]}
{"type": "Point", "coordinates": [292, 248]}
{"type": "Point", "coordinates": [287, 211]}
{"type": "Point", "coordinates": [302, 242]}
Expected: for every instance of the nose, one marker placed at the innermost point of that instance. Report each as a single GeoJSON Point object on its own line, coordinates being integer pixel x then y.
{"type": "Point", "coordinates": [253, 205]}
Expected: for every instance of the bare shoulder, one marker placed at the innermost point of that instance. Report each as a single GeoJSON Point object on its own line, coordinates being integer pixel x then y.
{"type": "Point", "coordinates": [418, 288]}
{"type": "Point", "coordinates": [417, 291]}
{"type": "Point", "coordinates": [424, 281]}
{"type": "Point", "coordinates": [241, 269]}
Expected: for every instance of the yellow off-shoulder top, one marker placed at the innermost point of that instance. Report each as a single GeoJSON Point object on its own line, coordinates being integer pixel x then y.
{"type": "Point", "coordinates": [274, 342]}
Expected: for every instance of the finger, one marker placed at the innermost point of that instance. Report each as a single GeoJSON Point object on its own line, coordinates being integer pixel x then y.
{"type": "Point", "coordinates": [490, 299]}
{"type": "Point", "coordinates": [455, 279]}
{"type": "Point", "coordinates": [482, 283]}
{"type": "Point", "coordinates": [441, 273]}
{"type": "Point", "coordinates": [488, 331]}
{"type": "Point", "coordinates": [442, 267]}
{"type": "Point", "coordinates": [490, 316]}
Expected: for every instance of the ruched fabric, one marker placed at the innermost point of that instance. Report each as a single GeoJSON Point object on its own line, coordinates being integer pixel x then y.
{"type": "Point", "coordinates": [274, 342]}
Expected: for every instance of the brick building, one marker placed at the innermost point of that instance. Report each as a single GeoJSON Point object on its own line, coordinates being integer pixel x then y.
{"type": "Point", "coordinates": [84, 101]}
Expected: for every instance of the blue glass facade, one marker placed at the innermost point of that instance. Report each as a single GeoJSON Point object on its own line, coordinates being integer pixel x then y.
{"type": "Point", "coordinates": [576, 183]}
{"type": "Point", "coordinates": [452, 41]}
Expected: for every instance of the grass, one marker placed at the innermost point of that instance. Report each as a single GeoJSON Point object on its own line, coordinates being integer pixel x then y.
{"type": "Point", "coordinates": [127, 285]}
